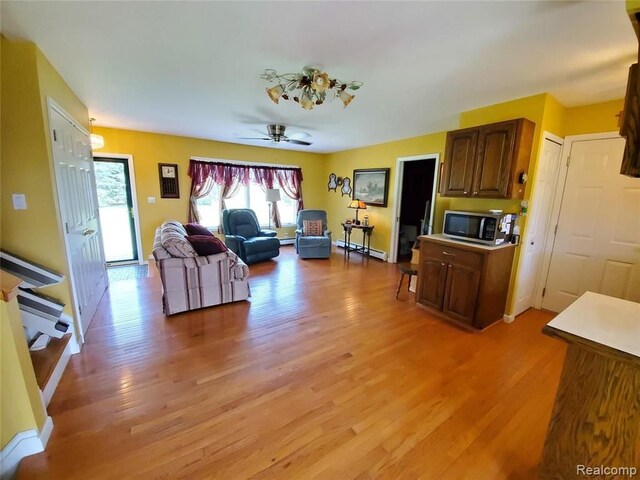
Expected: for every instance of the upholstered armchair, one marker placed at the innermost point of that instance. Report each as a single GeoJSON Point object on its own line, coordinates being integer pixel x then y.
{"type": "Point", "coordinates": [243, 236]}
{"type": "Point", "coordinates": [313, 244]}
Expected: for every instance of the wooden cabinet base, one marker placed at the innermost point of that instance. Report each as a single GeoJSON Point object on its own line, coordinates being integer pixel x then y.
{"type": "Point", "coordinates": [463, 282]}
{"type": "Point", "coordinates": [596, 418]}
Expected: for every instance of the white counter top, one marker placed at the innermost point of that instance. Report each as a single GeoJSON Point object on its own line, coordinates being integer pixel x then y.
{"type": "Point", "coordinates": [602, 319]}
{"type": "Point", "coordinates": [482, 246]}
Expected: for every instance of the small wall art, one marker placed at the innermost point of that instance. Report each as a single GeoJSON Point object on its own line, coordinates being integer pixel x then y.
{"type": "Point", "coordinates": [333, 182]}
{"type": "Point", "coordinates": [346, 186]}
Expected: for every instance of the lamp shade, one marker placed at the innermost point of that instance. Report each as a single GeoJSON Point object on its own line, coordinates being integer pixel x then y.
{"type": "Point", "coordinates": [272, 195]}
{"type": "Point", "coordinates": [359, 204]}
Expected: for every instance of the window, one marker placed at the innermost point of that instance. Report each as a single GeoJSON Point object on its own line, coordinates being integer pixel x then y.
{"type": "Point", "coordinates": [250, 196]}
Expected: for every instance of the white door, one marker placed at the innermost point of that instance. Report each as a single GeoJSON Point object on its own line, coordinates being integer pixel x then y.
{"type": "Point", "coordinates": [597, 246]}
{"type": "Point", "coordinates": [79, 210]}
{"type": "Point", "coordinates": [537, 225]}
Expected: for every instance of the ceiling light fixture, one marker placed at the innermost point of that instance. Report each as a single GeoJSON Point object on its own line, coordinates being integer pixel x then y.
{"type": "Point", "coordinates": [309, 88]}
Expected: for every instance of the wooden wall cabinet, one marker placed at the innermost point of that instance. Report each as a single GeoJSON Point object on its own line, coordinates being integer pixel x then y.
{"type": "Point", "coordinates": [630, 125]}
{"type": "Point", "coordinates": [464, 283]}
{"type": "Point", "coordinates": [488, 161]}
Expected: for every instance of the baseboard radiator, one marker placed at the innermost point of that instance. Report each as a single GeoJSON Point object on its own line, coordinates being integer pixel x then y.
{"type": "Point", "coordinates": [287, 241]}
{"type": "Point", "coordinates": [374, 252]}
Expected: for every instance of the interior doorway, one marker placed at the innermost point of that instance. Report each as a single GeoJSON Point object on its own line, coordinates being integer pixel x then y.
{"type": "Point", "coordinates": [414, 203]}
{"type": "Point", "coordinates": [118, 209]}
{"type": "Point", "coordinates": [596, 237]}
{"type": "Point", "coordinates": [540, 207]}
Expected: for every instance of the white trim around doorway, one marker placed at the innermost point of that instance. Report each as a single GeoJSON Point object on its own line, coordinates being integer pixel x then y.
{"type": "Point", "coordinates": [545, 216]}
{"type": "Point", "coordinates": [395, 219]}
{"type": "Point", "coordinates": [134, 197]}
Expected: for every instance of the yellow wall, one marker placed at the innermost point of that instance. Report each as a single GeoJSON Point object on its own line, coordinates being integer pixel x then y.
{"type": "Point", "coordinates": [377, 156]}
{"type": "Point", "coordinates": [149, 149]}
{"type": "Point", "coordinates": [595, 118]}
{"type": "Point", "coordinates": [20, 406]}
{"type": "Point", "coordinates": [27, 165]}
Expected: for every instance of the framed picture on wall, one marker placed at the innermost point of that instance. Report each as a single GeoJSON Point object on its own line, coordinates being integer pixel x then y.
{"type": "Point", "coordinates": [371, 185]}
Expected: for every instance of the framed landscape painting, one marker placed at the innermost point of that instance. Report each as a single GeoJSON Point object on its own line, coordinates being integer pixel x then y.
{"type": "Point", "coordinates": [371, 185]}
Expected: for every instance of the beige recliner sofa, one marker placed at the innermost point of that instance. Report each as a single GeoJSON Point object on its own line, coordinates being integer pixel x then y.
{"type": "Point", "coordinates": [190, 281]}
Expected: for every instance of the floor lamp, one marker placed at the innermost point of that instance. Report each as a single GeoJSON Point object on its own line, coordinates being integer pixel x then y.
{"type": "Point", "coordinates": [272, 196]}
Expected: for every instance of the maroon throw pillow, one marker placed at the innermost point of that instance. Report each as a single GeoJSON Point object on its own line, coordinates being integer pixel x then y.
{"type": "Point", "coordinates": [197, 229]}
{"type": "Point", "coordinates": [206, 245]}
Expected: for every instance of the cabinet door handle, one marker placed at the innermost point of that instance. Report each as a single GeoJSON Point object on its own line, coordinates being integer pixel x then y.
{"type": "Point", "coordinates": [447, 253]}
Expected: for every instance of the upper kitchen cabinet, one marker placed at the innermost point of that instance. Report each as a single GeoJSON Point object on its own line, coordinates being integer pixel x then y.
{"type": "Point", "coordinates": [489, 161]}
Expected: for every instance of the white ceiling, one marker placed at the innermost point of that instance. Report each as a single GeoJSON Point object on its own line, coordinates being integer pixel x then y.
{"type": "Point", "coordinates": [192, 68]}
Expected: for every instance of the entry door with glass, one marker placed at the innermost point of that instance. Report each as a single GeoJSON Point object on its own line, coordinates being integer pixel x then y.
{"type": "Point", "coordinates": [115, 200]}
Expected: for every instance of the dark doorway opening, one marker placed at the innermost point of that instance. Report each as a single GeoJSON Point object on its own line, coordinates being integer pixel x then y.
{"type": "Point", "coordinates": [415, 204]}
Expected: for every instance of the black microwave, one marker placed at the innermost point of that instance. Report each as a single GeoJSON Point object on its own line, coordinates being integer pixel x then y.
{"type": "Point", "coordinates": [482, 227]}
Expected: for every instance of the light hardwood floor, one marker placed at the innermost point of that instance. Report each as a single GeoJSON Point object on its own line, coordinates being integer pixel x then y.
{"type": "Point", "coordinates": [321, 375]}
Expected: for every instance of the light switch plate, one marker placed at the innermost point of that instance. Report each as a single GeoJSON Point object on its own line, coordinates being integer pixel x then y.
{"type": "Point", "coordinates": [19, 201]}
{"type": "Point", "coordinates": [151, 199]}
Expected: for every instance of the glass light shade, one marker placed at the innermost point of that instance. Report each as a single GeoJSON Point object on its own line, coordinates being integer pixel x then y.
{"type": "Point", "coordinates": [306, 102]}
{"type": "Point", "coordinates": [320, 81]}
{"type": "Point", "coordinates": [97, 141]}
{"type": "Point", "coordinates": [345, 97]}
{"type": "Point", "coordinates": [275, 93]}
{"type": "Point", "coordinates": [359, 204]}
{"type": "Point", "coordinates": [272, 195]}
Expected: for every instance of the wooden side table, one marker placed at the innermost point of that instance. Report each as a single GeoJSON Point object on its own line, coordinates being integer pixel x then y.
{"type": "Point", "coordinates": [365, 249]}
{"type": "Point", "coordinates": [596, 417]}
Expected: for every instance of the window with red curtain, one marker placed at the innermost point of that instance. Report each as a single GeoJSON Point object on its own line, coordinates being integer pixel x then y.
{"type": "Point", "coordinates": [218, 185]}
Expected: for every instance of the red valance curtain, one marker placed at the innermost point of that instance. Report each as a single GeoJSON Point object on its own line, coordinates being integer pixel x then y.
{"type": "Point", "coordinates": [206, 174]}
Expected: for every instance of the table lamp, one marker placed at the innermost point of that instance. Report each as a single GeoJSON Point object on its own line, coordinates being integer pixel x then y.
{"type": "Point", "coordinates": [358, 205]}
{"type": "Point", "coordinates": [272, 195]}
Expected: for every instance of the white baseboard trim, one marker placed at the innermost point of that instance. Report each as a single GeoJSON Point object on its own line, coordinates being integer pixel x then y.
{"type": "Point", "coordinates": [22, 445]}
{"type": "Point", "coordinates": [45, 434]}
{"type": "Point", "coordinates": [75, 344]}
{"type": "Point", "coordinates": [508, 318]}
{"type": "Point", "coordinates": [374, 252]}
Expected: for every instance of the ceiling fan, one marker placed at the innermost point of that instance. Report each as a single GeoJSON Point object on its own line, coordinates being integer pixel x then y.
{"type": "Point", "coordinates": [275, 133]}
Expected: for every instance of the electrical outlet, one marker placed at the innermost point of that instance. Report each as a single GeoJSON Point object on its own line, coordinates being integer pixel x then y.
{"type": "Point", "coordinates": [286, 234]}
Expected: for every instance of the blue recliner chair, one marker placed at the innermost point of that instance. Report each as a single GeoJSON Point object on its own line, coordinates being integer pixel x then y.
{"type": "Point", "coordinates": [313, 246]}
{"type": "Point", "coordinates": [243, 236]}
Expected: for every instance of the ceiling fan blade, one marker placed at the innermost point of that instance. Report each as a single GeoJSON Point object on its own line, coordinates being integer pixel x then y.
{"type": "Point", "coordinates": [299, 135]}
{"type": "Point", "coordinates": [253, 138]}
{"type": "Point", "coordinates": [297, 142]}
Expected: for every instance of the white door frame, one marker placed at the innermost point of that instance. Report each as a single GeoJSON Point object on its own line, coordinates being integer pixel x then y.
{"type": "Point", "coordinates": [134, 197]}
{"type": "Point", "coordinates": [395, 219]}
{"type": "Point", "coordinates": [557, 205]}
{"type": "Point", "coordinates": [545, 215]}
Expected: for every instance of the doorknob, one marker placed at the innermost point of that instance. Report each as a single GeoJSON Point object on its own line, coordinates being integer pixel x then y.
{"type": "Point", "coordinates": [88, 231]}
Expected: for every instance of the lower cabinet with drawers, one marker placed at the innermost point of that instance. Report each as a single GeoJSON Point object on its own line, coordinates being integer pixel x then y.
{"type": "Point", "coordinates": [464, 282]}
